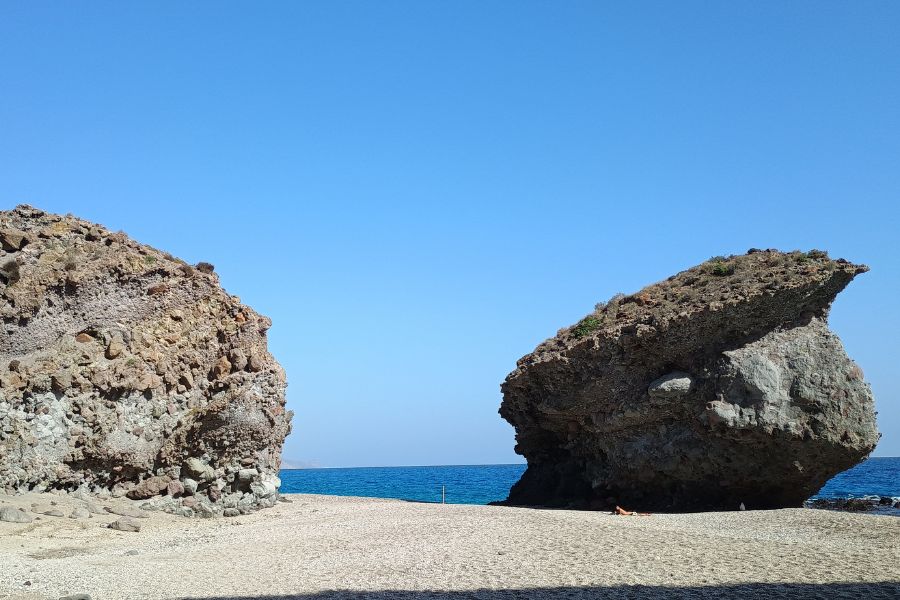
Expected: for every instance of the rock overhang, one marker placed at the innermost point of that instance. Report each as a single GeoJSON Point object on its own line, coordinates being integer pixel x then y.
{"type": "Point", "coordinates": [596, 425]}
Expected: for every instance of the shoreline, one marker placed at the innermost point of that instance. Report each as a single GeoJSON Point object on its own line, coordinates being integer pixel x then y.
{"type": "Point", "coordinates": [339, 546]}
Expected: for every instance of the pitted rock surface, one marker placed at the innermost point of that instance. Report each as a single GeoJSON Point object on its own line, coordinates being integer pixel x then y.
{"type": "Point", "coordinates": [125, 369]}
{"type": "Point", "coordinates": [720, 386]}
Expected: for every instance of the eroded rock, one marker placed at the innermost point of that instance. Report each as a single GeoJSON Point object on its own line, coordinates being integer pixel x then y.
{"type": "Point", "coordinates": [719, 386]}
{"type": "Point", "coordinates": [124, 369]}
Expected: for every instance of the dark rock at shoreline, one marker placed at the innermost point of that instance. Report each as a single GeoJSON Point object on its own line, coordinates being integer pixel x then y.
{"type": "Point", "coordinates": [721, 385]}
{"type": "Point", "coordinates": [126, 370]}
{"type": "Point", "coordinates": [882, 505]}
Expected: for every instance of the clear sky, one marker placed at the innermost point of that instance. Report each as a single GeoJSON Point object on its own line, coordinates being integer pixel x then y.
{"type": "Point", "coordinates": [419, 192]}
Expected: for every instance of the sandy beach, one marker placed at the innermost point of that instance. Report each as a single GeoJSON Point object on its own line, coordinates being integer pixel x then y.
{"type": "Point", "coordinates": [333, 547]}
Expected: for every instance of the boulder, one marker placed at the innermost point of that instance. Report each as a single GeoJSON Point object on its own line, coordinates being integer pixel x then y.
{"type": "Point", "coordinates": [10, 514]}
{"type": "Point", "coordinates": [125, 524]}
{"type": "Point", "coordinates": [720, 386]}
{"type": "Point", "coordinates": [114, 367]}
{"type": "Point", "coordinates": [150, 487]}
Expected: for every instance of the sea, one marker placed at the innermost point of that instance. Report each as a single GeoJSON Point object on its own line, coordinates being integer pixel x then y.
{"type": "Point", "coordinates": [481, 484]}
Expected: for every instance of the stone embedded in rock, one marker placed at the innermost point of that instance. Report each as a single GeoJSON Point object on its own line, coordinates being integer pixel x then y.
{"type": "Point", "coordinates": [113, 371]}
{"type": "Point", "coordinates": [149, 487]}
{"type": "Point", "coordinates": [199, 470]}
{"type": "Point", "coordinates": [12, 240]}
{"type": "Point", "coordinates": [673, 385]}
{"type": "Point", "coordinates": [175, 488]}
{"type": "Point", "coordinates": [720, 386]}
{"type": "Point", "coordinates": [190, 486]}
{"type": "Point", "coordinates": [115, 348]}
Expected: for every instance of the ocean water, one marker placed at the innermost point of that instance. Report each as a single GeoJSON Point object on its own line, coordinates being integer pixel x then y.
{"type": "Point", "coordinates": [873, 477]}
{"type": "Point", "coordinates": [462, 484]}
{"type": "Point", "coordinates": [480, 484]}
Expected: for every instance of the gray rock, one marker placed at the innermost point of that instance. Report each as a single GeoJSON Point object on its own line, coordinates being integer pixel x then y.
{"type": "Point", "coordinates": [190, 486]}
{"type": "Point", "coordinates": [231, 512]}
{"type": "Point", "coordinates": [199, 470]}
{"type": "Point", "coordinates": [267, 487]}
{"type": "Point", "coordinates": [127, 511]}
{"type": "Point", "coordinates": [720, 385]}
{"type": "Point", "coordinates": [125, 524]}
{"type": "Point", "coordinates": [76, 597]}
{"type": "Point", "coordinates": [9, 514]}
{"type": "Point", "coordinates": [673, 385]}
{"type": "Point", "coordinates": [94, 509]}
{"type": "Point", "coordinates": [247, 475]}
{"type": "Point", "coordinates": [204, 510]}
{"type": "Point", "coordinates": [80, 513]}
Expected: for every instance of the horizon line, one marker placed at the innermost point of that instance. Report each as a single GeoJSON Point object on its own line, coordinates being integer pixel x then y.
{"type": "Point", "coordinates": [403, 466]}
{"type": "Point", "coordinates": [460, 465]}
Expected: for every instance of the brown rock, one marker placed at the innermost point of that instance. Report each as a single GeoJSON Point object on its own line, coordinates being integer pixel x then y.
{"type": "Point", "coordinates": [238, 359]}
{"type": "Point", "coordinates": [175, 488]}
{"type": "Point", "coordinates": [159, 288]}
{"type": "Point", "coordinates": [12, 240]}
{"type": "Point", "coordinates": [254, 363]}
{"type": "Point", "coordinates": [115, 349]}
{"type": "Point", "coordinates": [62, 381]}
{"type": "Point", "coordinates": [222, 367]}
{"type": "Point", "coordinates": [148, 406]}
{"type": "Point", "coordinates": [149, 488]}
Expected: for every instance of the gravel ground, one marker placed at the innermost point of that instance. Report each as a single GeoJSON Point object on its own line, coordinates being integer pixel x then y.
{"type": "Point", "coordinates": [325, 547]}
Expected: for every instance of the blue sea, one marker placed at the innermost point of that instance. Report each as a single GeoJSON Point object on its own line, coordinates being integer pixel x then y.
{"type": "Point", "coordinates": [480, 484]}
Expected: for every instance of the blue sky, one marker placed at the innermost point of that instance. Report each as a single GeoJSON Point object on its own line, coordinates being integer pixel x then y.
{"type": "Point", "coordinates": [418, 193]}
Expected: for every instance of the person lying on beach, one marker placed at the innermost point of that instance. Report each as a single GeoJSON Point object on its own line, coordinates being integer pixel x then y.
{"type": "Point", "coordinates": [629, 513]}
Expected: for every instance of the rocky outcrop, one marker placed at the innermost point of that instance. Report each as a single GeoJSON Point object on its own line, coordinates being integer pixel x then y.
{"type": "Point", "coordinates": [125, 369]}
{"type": "Point", "coordinates": [719, 386]}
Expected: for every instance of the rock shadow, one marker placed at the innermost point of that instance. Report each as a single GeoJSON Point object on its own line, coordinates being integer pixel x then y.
{"type": "Point", "coordinates": [750, 591]}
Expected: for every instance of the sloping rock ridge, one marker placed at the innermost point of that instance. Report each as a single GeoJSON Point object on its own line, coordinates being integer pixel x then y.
{"type": "Point", "coordinates": [126, 370]}
{"type": "Point", "coordinates": [720, 386]}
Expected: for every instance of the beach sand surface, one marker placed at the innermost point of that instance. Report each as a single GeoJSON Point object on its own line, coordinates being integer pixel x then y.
{"type": "Point", "coordinates": [327, 548]}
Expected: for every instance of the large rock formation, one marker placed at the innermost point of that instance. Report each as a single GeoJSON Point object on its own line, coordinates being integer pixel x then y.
{"type": "Point", "coordinates": [125, 369]}
{"type": "Point", "coordinates": [719, 386]}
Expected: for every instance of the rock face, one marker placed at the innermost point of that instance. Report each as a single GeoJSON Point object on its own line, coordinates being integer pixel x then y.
{"type": "Point", "coordinates": [123, 368]}
{"type": "Point", "coordinates": [719, 386]}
